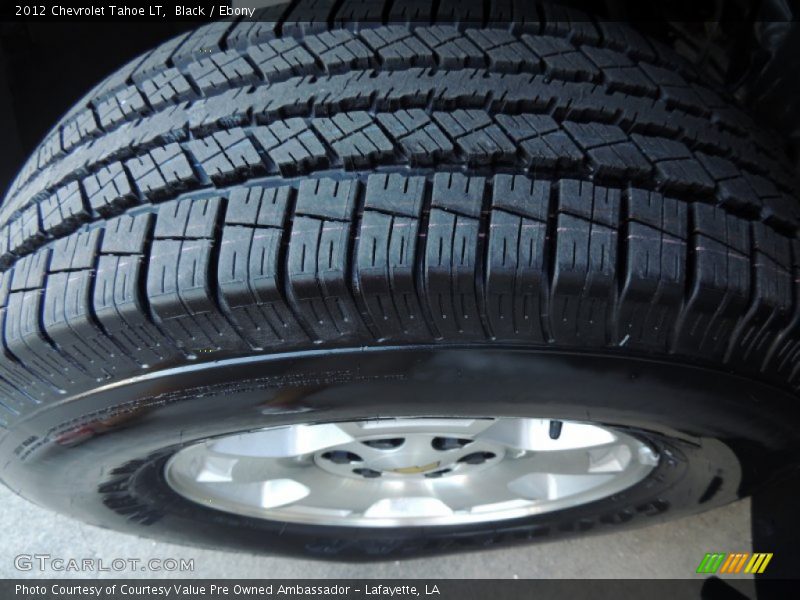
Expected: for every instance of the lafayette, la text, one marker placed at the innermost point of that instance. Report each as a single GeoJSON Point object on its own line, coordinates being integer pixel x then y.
{"type": "Point", "coordinates": [195, 590]}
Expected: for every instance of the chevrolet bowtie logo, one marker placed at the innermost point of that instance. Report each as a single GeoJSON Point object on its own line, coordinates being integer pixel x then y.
{"type": "Point", "coordinates": [415, 470]}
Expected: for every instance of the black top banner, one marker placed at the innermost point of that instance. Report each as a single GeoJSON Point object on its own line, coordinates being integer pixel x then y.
{"type": "Point", "coordinates": [385, 11]}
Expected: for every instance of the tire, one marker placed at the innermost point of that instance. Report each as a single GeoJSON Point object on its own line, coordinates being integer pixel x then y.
{"type": "Point", "coordinates": [307, 220]}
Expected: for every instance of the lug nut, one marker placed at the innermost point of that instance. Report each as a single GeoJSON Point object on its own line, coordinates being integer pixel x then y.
{"type": "Point", "coordinates": [385, 444]}
{"type": "Point", "coordinates": [342, 457]}
{"type": "Point", "coordinates": [368, 473]}
{"type": "Point", "coordinates": [439, 473]}
{"type": "Point", "coordinates": [476, 458]}
{"type": "Point", "coordinates": [449, 443]}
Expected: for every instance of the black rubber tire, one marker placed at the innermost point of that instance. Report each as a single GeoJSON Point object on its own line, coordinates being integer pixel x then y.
{"type": "Point", "coordinates": [258, 189]}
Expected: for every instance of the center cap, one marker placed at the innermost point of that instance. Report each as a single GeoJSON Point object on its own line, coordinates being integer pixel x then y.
{"type": "Point", "coordinates": [416, 470]}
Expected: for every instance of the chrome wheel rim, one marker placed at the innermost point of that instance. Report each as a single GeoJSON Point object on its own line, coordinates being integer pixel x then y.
{"type": "Point", "coordinates": [410, 471]}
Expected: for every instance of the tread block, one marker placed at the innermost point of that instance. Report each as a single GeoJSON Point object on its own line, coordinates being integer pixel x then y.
{"type": "Point", "coordinates": [450, 263]}
{"type": "Point", "coordinates": [477, 135]}
{"type": "Point", "coordinates": [609, 150]}
{"type": "Point", "coordinates": [385, 262]}
{"type": "Point", "coordinates": [63, 211]}
{"type": "Point", "coordinates": [29, 272]}
{"type": "Point", "coordinates": [317, 269]}
{"type": "Point", "coordinates": [720, 283]}
{"type": "Point", "coordinates": [522, 196]}
{"type": "Point", "coordinates": [108, 190]}
{"type": "Point", "coordinates": [228, 109]}
{"type": "Point", "coordinates": [180, 277]}
{"type": "Point", "coordinates": [620, 72]}
{"type": "Point", "coordinates": [451, 49]}
{"type": "Point", "coordinates": [187, 218]}
{"type": "Point", "coordinates": [384, 272]}
{"type": "Point", "coordinates": [203, 41]}
{"type": "Point", "coordinates": [281, 58]}
{"type": "Point", "coordinates": [542, 141]}
{"type": "Point", "coordinates": [24, 339]}
{"type": "Point", "coordinates": [126, 234]}
{"type": "Point", "coordinates": [124, 105]}
{"type": "Point", "coordinates": [221, 71]}
{"type": "Point", "coordinates": [684, 98]}
{"type": "Point", "coordinates": [658, 212]}
{"type": "Point", "coordinates": [6, 256]}
{"type": "Point", "coordinates": [67, 317]}
{"type": "Point", "coordinates": [506, 53]}
{"type": "Point", "coordinates": [772, 300]}
{"type": "Point", "coordinates": [329, 199]}
{"type": "Point", "coordinates": [662, 76]}
{"type": "Point", "coordinates": [458, 193]}
{"type": "Point", "coordinates": [26, 343]}
{"type": "Point", "coordinates": [251, 288]}
{"type": "Point", "coordinates": [561, 59]}
{"type": "Point", "coordinates": [75, 252]}
{"type": "Point", "coordinates": [737, 195]}
{"type": "Point", "coordinates": [356, 138]}
{"type": "Point", "coordinates": [584, 263]}
{"type": "Point", "coordinates": [726, 229]}
{"type": "Point", "coordinates": [156, 60]}
{"type": "Point", "coordinates": [21, 386]}
{"type": "Point", "coordinates": [167, 88]}
{"type": "Point", "coordinates": [339, 50]}
{"type": "Point", "coordinates": [164, 127]}
{"type": "Point", "coordinates": [308, 17]}
{"type": "Point", "coordinates": [25, 233]}
{"type": "Point", "coordinates": [589, 202]}
{"type": "Point", "coordinates": [516, 276]}
{"type": "Point", "coordinates": [292, 146]}
{"type": "Point", "coordinates": [422, 141]}
{"type": "Point", "coordinates": [162, 171]}
{"type": "Point", "coordinates": [50, 150]}
{"type": "Point", "coordinates": [258, 206]}
{"type": "Point", "coordinates": [395, 194]}
{"type": "Point", "coordinates": [654, 279]}
{"type": "Point", "coordinates": [227, 156]}
{"type": "Point", "coordinates": [180, 295]}
{"type": "Point", "coordinates": [117, 301]}
{"type": "Point", "coordinates": [259, 29]}
{"type": "Point", "coordinates": [68, 323]}
{"type": "Point", "coordinates": [80, 128]}
{"type": "Point", "coordinates": [397, 47]}
{"type": "Point", "coordinates": [686, 175]}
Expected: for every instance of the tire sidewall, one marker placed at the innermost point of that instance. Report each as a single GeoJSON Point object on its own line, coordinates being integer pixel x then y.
{"type": "Point", "coordinates": [717, 434]}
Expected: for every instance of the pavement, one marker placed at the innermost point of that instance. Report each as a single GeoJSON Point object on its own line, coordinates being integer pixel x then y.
{"type": "Point", "coordinates": [671, 550]}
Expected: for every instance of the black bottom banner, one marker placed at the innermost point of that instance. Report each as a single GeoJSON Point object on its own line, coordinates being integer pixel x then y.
{"type": "Point", "coordinates": [368, 589]}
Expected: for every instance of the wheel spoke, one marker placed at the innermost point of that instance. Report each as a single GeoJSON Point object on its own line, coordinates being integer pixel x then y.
{"type": "Point", "coordinates": [408, 506]}
{"type": "Point", "coordinates": [272, 493]}
{"type": "Point", "coordinates": [282, 441]}
{"type": "Point", "coordinates": [549, 486]}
